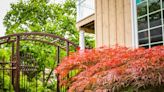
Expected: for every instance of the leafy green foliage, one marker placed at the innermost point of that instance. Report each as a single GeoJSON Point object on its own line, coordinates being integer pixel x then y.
{"type": "Point", "coordinates": [5, 54]}
{"type": "Point", "coordinates": [40, 16]}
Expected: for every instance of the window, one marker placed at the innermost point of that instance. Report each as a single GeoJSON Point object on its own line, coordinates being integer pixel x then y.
{"type": "Point", "coordinates": [150, 19]}
{"type": "Point", "coordinates": [85, 8]}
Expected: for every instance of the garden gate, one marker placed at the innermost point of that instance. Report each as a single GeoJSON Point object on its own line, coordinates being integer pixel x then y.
{"type": "Point", "coordinates": [18, 69]}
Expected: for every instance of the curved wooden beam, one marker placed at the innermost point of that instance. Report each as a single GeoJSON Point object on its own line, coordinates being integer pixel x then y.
{"type": "Point", "coordinates": [12, 38]}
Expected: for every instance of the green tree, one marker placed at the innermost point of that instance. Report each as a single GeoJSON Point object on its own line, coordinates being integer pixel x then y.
{"type": "Point", "coordinates": [42, 16]}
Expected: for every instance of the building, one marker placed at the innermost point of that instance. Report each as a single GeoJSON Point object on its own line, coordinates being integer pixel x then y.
{"type": "Point", "coordinates": [131, 23]}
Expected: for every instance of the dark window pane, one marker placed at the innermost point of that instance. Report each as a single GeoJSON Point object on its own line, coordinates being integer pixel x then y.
{"type": "Point", "coordinates": [163, 16]}
{"type": "Point", "coordinates": [142, 23]}
{"type": "Point", "coordinates": [156, 35]}
{"type": "Point", "coordinates": [146, 46]}
{"type": "Point", "coordinates": [156, 44]}
{"type": "Point", "coordinates": [162, 3]}
{"type": "Point", "coordinates": [142, 9]}
{"type": "Point", "coordinates": [143, 37]}
{"type": "Point", "coordinates": [154, 5]}
{"type": "Point", "coordinates": [155, 19]}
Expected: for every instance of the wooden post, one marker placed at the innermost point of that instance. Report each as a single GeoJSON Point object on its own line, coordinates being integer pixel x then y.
{"type": "Point", "coordinates": [17, 64]}
{"type": "Point", "coordinates": [12, 65]}
{"type": "Point", "coordinates": [58, 61]}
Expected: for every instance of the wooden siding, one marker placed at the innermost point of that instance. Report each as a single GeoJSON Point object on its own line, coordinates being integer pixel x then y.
{"type": "Point", "coordinates": [113, 23]}
{"type": "Point", "coordinates": [99, 22]}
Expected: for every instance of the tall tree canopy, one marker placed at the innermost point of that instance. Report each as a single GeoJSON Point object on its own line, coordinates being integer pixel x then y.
{"type": "Point", "coordinates": [43, 16]}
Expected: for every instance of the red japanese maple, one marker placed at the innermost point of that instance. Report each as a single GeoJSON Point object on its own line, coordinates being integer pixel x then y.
{"type": "Point", "coordinates": [113, 69]}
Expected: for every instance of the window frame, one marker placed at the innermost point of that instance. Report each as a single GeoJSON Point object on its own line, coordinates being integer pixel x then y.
{"type": "Point", "coordinates": [135, 32]}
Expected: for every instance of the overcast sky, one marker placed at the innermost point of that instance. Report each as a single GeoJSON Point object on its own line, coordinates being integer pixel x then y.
{"type": "Point", "coordinates": [4, 7]}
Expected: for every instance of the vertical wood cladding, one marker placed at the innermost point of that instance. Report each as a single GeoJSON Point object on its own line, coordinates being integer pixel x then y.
{"type": "Point", "coordinates": [99, 23]}
{"type": "Point", "coordinates": [113, 23]}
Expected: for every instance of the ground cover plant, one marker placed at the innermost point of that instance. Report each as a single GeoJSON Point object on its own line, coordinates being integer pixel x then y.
{"type": "Point", "coordinates": [117, 69]}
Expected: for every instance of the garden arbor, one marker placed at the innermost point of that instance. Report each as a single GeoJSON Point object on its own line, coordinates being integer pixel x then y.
{"type": "Point", "coordinates": [17, 68]}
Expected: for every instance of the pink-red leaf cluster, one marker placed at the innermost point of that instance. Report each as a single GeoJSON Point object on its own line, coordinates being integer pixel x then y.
{"type": "Point", "coordinates": [112, 69]}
